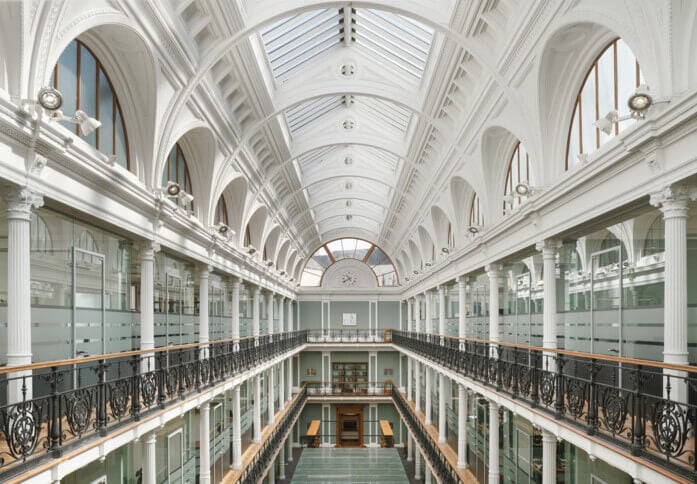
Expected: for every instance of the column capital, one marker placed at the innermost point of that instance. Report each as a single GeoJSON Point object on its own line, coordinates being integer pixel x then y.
{"type": "Point", "coordinates": [462, 280]}
{"type": "Point", "coordinates": [548, 247]}
{"type": "Point", "coordinates": [151, 438]}
{"type": "Point", "coordinates": [257, 290]}
{"type": "Point", "coordinates": [148, 249]}
{"type": "Point", "coordinates": [236, 282]}
{"type": "Point", "coordinates": [20, 201]}
{"type": "Point", "coordinates": [548, 436]}
{"type": "Point", "coordinates": [493, 270]}
{"type": "Point", "coordinates": [442, 289]}
{"type": "Point", "coordinates": [205, 272]}
{"type": "Point", "coordinates": [672, 200]}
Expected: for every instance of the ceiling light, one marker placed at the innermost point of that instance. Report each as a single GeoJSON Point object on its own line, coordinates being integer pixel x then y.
{"type": "Point", "coordinates": [185, 198]}
{"type": "Point", "coordinates": [428, 264]}
{"type": "Point", "coordinates": [173, 188]}
{"type": "Point", "coordinates": [222, 228]}
{"type": "Point", "coordinates": [606, 123]}
{"type": "Point", "coordinates": [349, 124]}
{"type": "Point", "coordinates": [291, 279]}
{"type": "Point", "coordinates": [522, 189]}
{"type": "Point", "coordinates": [640, 101]}
{"type": "Point", "coordinates": [269, 263]}
{"type": "Point", "coordinates": [282, 273]}
{"type": "Point", "coordinates": [87, 124]}
{"type": "Point", "coordinates": [445, 250]}
{"type": "Point", "coordinates": [415, 272]}
{"type": "Point", "coordinates": [473, 229]}
{"type": "Point", "coordinates": [49, 98]}
{"type": "Point", "coordinates": [406, 279]}
{"type": "Point", "coordinates": [251, 250]}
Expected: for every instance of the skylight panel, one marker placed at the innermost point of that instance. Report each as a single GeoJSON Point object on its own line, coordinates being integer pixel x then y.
{"type": "Point", "coordinates": [294, 41]}
{"type": "Point", "coordinates": [322, 258]}
{"type": "Point", "coordinates": [304, 114]}
{"type": "Point", "coordinates": [403, 42]}
{"type": "Point", "coordinates": [390, 113]}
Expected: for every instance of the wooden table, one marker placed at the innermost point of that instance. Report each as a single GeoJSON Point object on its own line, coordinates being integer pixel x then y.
{"type": "Point", "coordinates": [313, 433]}
{"type": "Point", "coordinates": [387, 437]}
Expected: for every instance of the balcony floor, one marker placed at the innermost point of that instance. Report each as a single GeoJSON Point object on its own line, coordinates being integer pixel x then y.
{"type": "Point", "coordinates": [341, 466]}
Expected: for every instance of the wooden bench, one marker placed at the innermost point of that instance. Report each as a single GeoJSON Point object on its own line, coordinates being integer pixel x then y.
{"type": "Point", "coordinates": [386, 435]}
{"type": "Point", "coordinates": [313, 434]}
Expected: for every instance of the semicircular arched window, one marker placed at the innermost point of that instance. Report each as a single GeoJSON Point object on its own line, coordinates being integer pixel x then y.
{"type": "Point", "coordinates": [611, 80]}
{"type": "Point", "coordinates": [39, 235]}
{"type": "Point", "coordinates": [476, 215]}
{"type": "Point", "coordinates": [221, 212]}
{"type": "Point", "coordinates": [177, 170]}
{"type": "Point", "coordinates": [349, 248]}
{"type": "Point", "coordinates": [519, 173]}
{"type": "Point", "coordinates": [85, 85]}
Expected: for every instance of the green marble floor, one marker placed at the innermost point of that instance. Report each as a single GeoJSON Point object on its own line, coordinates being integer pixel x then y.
{"type": "Point", "coordinates": [349, 466]}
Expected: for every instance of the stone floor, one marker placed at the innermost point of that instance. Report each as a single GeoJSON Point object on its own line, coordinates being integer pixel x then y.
{"type": "Point", "coordinates": [355, 466]}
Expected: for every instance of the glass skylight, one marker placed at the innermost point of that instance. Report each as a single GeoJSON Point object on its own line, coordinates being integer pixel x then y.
{"type": "Point", "coordinates": [349, 248]}
{"type": "Point", "coordinates": [296, 40]}
{"type": "Point", "coordinates": [304, 114]}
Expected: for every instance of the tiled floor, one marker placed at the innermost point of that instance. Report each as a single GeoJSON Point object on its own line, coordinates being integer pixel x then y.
{"type": "Point", "coordinates": [355, 466]}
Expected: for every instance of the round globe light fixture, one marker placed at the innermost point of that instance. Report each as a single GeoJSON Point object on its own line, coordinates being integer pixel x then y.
{"type": "Point", "coordinates": [522, 189]}
{"type": "Point", "coordinates": [49, 98]}
{"type": "Point", "coordinates": [641, 100]}
{"type": "Point", "coordinates": [173, 189]}
{"type": "Point", "coordinates": [473, 230]}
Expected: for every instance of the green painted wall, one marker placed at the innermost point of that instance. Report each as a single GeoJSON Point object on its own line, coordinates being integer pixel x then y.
{"type": "Point", "coordinates": [310, 315]}
{"type": "Point", "coordinates": [338, 308]}
{"type": "Point", "coordinates": [310, 359]}
{"type": "Point", "coordinates": [388, 314]}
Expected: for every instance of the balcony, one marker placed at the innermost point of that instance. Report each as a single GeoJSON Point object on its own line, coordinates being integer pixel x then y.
{"type": "Point", "coordinates": [642, 406]}
{"type": "Point", "coordinates": [349, 336]}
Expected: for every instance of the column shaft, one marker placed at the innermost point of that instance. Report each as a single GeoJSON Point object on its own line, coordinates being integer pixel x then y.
{"type": "Point", "coordinates": [236, 429]}
{"type": "Point", "coordinates": [462, 307]}
{"type": "Point", "coordinates": [410, 378]}
{"type": "Point", "coordinates": [271, 397]}
{"type": "Point", "coordinates": [442, 431]}
{"type": "Point", "coordinates": [461, 427]}
{"type": "Point", "coordinates": [441, 311]}
{"type": "Point", "coordinates": [549, 458]}
{"type": "Point", "coordinates": [203, 326]}
{"type": "Point", "coordinates": [429, 312]}
{"type": "Point", "coordinates": [257, 409]}
{"type": "Point", "coordinates": [429, 395]}
{"type": "Point", "coordinates": [282, 385]}
{"type": "Point", "coordinates": [236, 309]}
{"type": "Point", "coordinates": [417, 385]}
{"type": "Point", "coordinates": [281, 317]}
{"type": "Point", "coordinates": [150, 459]}
{"type": "Point", "coordinates": [269, 313]}
{"type": "Point", "coordinates": [205, 444]}
{"type": "Point", "coordinates": [493, 443]}
{"type": "Point", "coordinates": [255, 312]}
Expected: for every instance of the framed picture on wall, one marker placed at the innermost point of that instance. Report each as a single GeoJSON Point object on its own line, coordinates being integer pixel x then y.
{"type": "Point", "coordinates": [348, 319]}
{"type": "Point", "coordinates": [312, 372]}
{"type": "Point", "coordinates": [388, 371]}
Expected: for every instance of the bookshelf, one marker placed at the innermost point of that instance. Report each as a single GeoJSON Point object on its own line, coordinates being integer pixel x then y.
{"type": "Point", "coordinates": [350, 377]}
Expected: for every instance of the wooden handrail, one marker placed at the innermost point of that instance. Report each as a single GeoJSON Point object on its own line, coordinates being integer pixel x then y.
{"type": "Point", "coordinates": [577, 354]}
{"type": "Point", "coordinates": [123, 354]}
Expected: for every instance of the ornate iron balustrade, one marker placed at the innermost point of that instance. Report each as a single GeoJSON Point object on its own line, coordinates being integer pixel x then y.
{"type": "Point", "coordinates": [264, 458]}
{"type": "Point", "coordinates": [349, 336]}
{"type": "Point", "coordinates": [349, 389]}
{"type": "Point", "coordinates": [50, 407]}
{"type": "Point", "coordinates": [439, 463]}
{"type": "Point", "coordinates": [646, 407]}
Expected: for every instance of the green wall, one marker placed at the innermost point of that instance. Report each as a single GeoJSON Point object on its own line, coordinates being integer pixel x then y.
{"type": "Point", "coordinates": [310, 315]}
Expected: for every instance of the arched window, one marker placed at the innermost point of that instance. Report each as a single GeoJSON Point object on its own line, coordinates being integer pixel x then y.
{"type": "Point", "coordinates": [611, 80]}
{"type": "Point", "coordinates": [476, 215]}
{"type": "Point", "coordinates": [609, 258]}
{"type": "Point", "coordinates": [39, 235]}
{"type": "Point", "coordinates": [177, 170]}
{"type": "Point", "coordinates": [221, 212]}
{"type": "Point", "coordinates": [85, 85]}
{"type": "Point", "coordinates": [655, 241]}
{"type": "Point", "coordinates": [518, 172]}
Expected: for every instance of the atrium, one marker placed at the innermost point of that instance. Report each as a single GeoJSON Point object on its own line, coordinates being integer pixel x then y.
{"type": "Point", "coordinates": [304, 241]}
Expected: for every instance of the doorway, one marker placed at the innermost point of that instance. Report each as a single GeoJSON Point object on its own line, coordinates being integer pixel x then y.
{"type": "Point", "coordinates": [349, 426]}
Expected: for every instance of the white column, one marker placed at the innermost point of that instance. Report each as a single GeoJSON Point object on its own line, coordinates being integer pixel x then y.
{"type": "Point", "coordinates": [281, 323]}
{"type": "Point", "coordinates": [289, 379]}
{"type": "Point", "coordinates": [462, 306]}
{"type": "Point", "coordinates": [410, 313]}
{"type": "Point", "coordinates": [494, 273]}
{"type": "Point", "coordinates": [257, 409]}
{"type": "Point", "coordinates": [205, 444]}
{"type": "Point", "coordinates": [429, 311]}
{"type": "Point", "coordinates": [427, 475]}
{"type": "Point", "coordinates": [150, 459]}
{"type": "Point", "coordinates": [236, 429]}
{"type": "Point", "coordinates": [147, 310]}
{"type": "Point", "coordinates": [441, 312]}
{"type": "Point", "coordinates": [417, 313]}
{"type": "Point", "coordinates": [410, 378]}
{"type": "Point", "coordinates": [272, 473]}
{"type": "Point", "coordinates": [410, 447]}
{"type": "Point", "coordinates": [19, 202]}
{"type": "Point", "coordinates": [417, 464]}
{"type": "Point", "coordinates": [429, 395]}
{"type": "Point", "coordinates": [290, 315]}
{"type": "Point", "coordinates": [672, 201]}
{"type": "Point", "coordinates": [255, 313]}
{"type": "Point", "coordinates": [269, 312]}
{"type": "Point", "coordinates": [549, 250]}
{"type": "Point", "coordinates": [282, 385]}
{"type": "Point", "coordinates": [203, 331]}
{"type": "Point", "coordinates": [290, 448]}
{"type": "Point", "coordinates": [441, 409]}
{"type": "Point", "coordinates": [271, 397]}
{"type": "Point", "coordinates": [417, 385]}
{"type": "Point", "coordinates": [282, 461]}
{"type": "Point", "coordinates": [236, 310]}
{"type": "Point", "coordinates": [461, 427]}
{"type": "Point", "coordinates": [549, 457]}
{"type": "Point", "coordinates": [493, 443]}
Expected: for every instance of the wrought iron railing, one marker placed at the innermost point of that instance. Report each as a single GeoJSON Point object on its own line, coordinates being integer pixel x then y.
{"type": "Point", "coordinates": [440, 466]}
{"type": "Point", "coordinates": [339, 388]}
{"type": "Point", "coordinates": [349, 336]}
{"type": "Point", "coordinates": [646, 407]}
{"type": "Point", "coordinates": [255, 471]}
{"type": "Point", "coordinates": [50, 407]}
